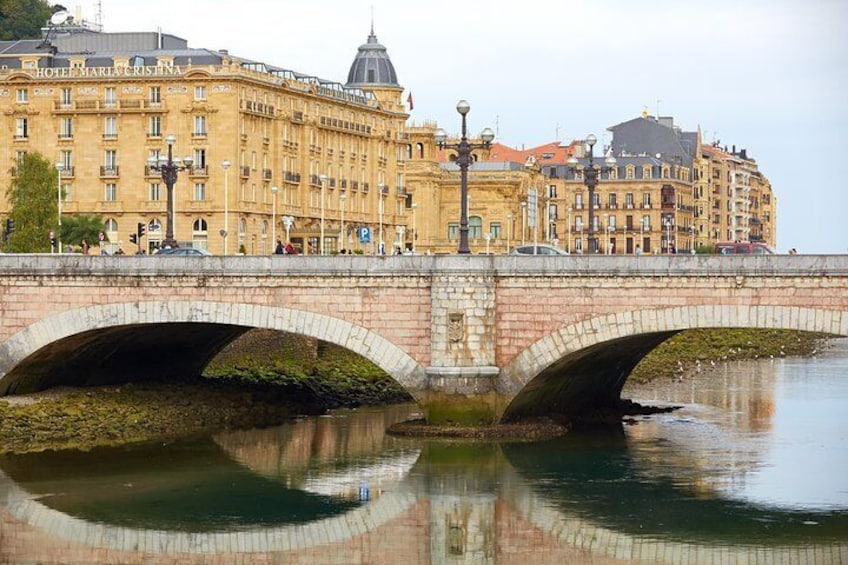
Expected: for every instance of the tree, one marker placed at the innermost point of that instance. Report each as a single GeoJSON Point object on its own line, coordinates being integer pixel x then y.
{"type": "Point", "coordinates": [34, 206]}
{"type": "Point", "coordinates": [82, 227]}
{"type": "Point", "coordinates": [23, 19]}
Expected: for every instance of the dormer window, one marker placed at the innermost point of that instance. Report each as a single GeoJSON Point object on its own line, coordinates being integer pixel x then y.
{"type": "Point", "coordinates": [137, 61]}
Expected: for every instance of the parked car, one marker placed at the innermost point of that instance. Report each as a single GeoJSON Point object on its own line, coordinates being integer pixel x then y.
{"type": "Point", "coordinates": [539, 249]}
{"type": "Point", "coordinates": [742, 248]}
{"type": "Point", "coordinates": [182, 251]}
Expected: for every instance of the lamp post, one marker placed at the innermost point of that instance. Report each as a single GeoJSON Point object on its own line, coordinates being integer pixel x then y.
{"type": "Point", "coordinates": [590, 179]}
{"type": "Point", "coordinates": [59, 167]}
{"type": "Point", "coordinates": [463, 150]}
{"type": "Point", "coordinates": [323, 180]}
{"type": "Point", "coordinates": [667, 222]}
{"type": "Point", "coordinates": [225, 164]}
{"type": "Point", "coordinates": [381, 247]}
{"type": "Point", "coordinates": [568, 232]}
{"type": "Point", "coordinates": [523, 222]}
{"type": "Point", "coordinates": [342, 198]}
{"type": "Point", "coordinates": [169, 167]}
{"type": "Point", "coordinates": [606, 221]}
{"type": "Point", "coordinates": [414, 232]}
{"type": "Point", "coordinates": [487, 236]}
{"type": "Point", "coordinates": [508, 231]}
{"type": "Point", "coordinates": [274, 190]}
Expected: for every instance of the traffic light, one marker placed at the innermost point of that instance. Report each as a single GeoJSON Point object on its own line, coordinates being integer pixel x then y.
{"type": "Point", "coordinates": [134, 238]}
{"type": "Point", "coordinates": [140, 230]}
{"type": "Point", "coordinates": [10, 226]}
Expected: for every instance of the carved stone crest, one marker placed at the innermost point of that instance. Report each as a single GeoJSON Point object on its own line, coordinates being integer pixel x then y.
{"type": "Point", "coordinates": [456, 326]}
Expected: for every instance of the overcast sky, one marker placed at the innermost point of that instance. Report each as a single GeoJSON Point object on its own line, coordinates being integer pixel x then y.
{"type": "Point", "coordinates": [770, 76]}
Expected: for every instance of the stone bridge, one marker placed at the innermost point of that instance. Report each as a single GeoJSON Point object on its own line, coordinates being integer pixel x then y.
{"type": "Point", "coordinates": [474, 339]}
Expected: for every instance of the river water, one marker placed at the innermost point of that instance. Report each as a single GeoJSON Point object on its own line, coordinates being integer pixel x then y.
{"type": "Point", "coordinates": [753, 468]}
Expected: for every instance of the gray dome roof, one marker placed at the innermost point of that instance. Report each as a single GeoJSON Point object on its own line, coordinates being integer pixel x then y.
{"type": "Point", "coordinates": [372, 66]}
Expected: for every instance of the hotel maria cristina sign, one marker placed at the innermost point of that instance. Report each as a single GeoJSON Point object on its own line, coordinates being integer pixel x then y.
{"type": "Point", "coordinates": [107, 72]}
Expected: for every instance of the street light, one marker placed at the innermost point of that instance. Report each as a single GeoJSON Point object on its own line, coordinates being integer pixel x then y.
{"type": "Point", "coordinates": [606, 221]}
{"type": "Point", "coordinates": [487, 236]}
{"type": "Point", "coordinates": [274, 190]}
{"type": "Point", "coordinates": [568, 231]}
{"type": "Point", "coordinates": [508, 231]}
{"type": "Point", "coordinates": [381, 247]}
{"type": "Point", "coordinates": [169, 167]}
{"type": "Point", "coordinates": [342, 198]}
{"type": "Point", "coordinates": [590, 179]}
{"type": "Point", "coordinates": [225, 164]}
{"type": "Point", "coordinates": [323, 179]}
{"type": "Point", "coordinates": [59, 167]}
{"type": "Point", "coordinates": [414, 233]}
{"type": "Point", "coordinates": [523, 222]}
{"type": "Point", "coordinates": [667, 221]}
{"type": "Point", "coordinates": [463, 149]}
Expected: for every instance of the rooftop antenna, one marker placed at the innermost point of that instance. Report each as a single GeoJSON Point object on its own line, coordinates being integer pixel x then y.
{"type": "Point", "coordinates": [99, 16]}
{"type": "Point", "coordinates": [658, 108]}
{"type": "Point", "coordinates": [372, 19]}
{"type": "Point", "coordinates": [497, 125]}
{"type": "Point", "coordinates": [557, 132]}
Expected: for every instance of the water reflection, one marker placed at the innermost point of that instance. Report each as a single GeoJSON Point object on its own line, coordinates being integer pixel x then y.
{"type": "Point", "coordinates": [718, 481]}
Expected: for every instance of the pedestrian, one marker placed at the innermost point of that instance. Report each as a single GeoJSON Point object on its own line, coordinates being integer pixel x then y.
{"type": "Point", "coordinates": [279, 250]}
{"type": "Point", "coordinates": [84, 247]}
{"type": "Point", "coordinates": [289, 249]}
{"type": "Point", "coordinates": [638, 249]}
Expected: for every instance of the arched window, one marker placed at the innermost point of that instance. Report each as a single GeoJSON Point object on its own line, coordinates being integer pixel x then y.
{"type": "Point", "coordinates": [154, 230]}
{"type": "Point", "coordinates": [409, 151]}
{"type": "Point", "coordinates": [475, 227]}
{"type": "Point", "coordinates": [199, 235]}
{"type": "Point", "coordinates": [242, 230]}
{"type": "Point", "coordinates": [110, 226]}
{"type": "Point", "coordinates": [420, 149]}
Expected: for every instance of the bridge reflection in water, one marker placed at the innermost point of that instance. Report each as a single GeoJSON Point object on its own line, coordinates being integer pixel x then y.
{"type": "Point", "coordinates": [337, 489]}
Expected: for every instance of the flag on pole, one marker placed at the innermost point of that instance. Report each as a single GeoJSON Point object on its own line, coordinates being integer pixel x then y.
{"type": "Point", "coordinates": [409, 101]}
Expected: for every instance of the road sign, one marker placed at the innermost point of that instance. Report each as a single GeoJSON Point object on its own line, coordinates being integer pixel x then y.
{"type": "Point", "coordinates": [365, 235]}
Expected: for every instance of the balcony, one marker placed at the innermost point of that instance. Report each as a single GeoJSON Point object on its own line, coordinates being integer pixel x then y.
{"type": "Point", "coordinates": [384, 189]}
{"type": "Point", "coordinates": [297, 116]}
{"type": "Point", "coordinates": [95, 106]}
{"type": "Point", "coordinates": [267, 174]}
{"type": "Point", "coordinates": [107, 171]}
{"type": "Point", "coordinates": [244, 172]}
{"type": "Point", "coordinates": [365, 187]}
{"type": "Point", "coordinates": [67, 172]}
{"type": "Point", "coordinates": [289, 176]}
{"type": "Point", "coordinates": [199, 171]}
{"type": "Point", "coordinates": [110, 136]}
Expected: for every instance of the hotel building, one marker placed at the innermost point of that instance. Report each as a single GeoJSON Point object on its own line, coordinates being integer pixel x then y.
{"type": "Point", "coordinates": [272, 152]}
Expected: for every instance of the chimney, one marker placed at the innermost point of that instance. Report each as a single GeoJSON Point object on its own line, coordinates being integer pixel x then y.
{"type": "Point", "coordinates": [734, 149]}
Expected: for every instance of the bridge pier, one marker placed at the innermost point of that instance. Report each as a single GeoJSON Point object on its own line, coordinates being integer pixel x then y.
{"type": "Point", "coordinates": [461, 395]}
{"type": "Point", "coordinates": [462, 376]}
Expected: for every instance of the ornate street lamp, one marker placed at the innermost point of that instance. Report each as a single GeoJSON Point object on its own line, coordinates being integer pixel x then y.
{"type": "Point", "coordinates": [590, 179]}
{"type": "Point", "coordinates": [274, 190]}
{"type": "Point", "coordinates": [463, 150]}
{"type": "Point", "coordinates": [225, 164]}
{"type": "Point", "coordinates": [169, 167]}
{"type": "Point", "coordinates": [59, 167]}
{"type": "Point", "coordinates": [323, 180]}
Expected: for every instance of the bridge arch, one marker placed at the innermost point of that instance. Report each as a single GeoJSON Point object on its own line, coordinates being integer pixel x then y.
{"type": "Point", "coordinates": [583, 366]}
{"type": "Point", "coordinates": [96, 319]}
